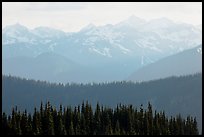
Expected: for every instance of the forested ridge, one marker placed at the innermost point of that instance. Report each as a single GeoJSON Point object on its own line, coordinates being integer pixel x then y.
{"type": "Point", "coordinates": [177, 90]}
{"type": "Point", "coordinates": [174, 94]}
{"type": "Point", "coordinates": [103, 120]}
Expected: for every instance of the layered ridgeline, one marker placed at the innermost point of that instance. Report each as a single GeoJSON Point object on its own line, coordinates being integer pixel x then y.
{"type": "Point", "coordinates": [183, 63]}
{"type": "Point", "coordinates": [84, 120]}
{"type": "Point", "coordinates": [101, 53]}
{"type": "Point", "coordinates": [174, 94]}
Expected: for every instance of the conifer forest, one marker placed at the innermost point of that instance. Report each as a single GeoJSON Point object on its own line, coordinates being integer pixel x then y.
{"type": "Point", "coordinates": [103, 120]}
{"type": "Point", "coordinates": [102, 68]}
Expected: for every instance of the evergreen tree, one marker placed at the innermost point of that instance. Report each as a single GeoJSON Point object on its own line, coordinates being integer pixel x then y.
{"type": "Point", "coordinates": [5, 126]}
{"type": "Point", "coordinates": [195, 127]}
{"type": "Point", "coordinates": [124, 120]}
{"type": "Point", "coordinates": [36, 123]}
{"type": "Point", "coordinates": [71, 129]}
{"type": "Point", "coordinates": [49, 124]}
{"type": "Point", "coordinates": [61, 130]}
{"type": "Point", "coordinates": [97, 120]}
{"type": "Point", "coordinates": [150, 119]}
{"type": "Point", "coordinates": [14, 127]}
{"type": "Point", "coordinates": [117, 128]}
{"type": "Point", "coordinates": [83, 125]}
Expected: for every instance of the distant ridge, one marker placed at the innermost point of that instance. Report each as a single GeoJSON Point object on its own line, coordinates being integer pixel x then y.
{"type": "Point", "coordinates": [183, 63]}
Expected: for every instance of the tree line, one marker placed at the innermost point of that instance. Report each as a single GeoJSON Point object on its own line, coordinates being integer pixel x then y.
{"type": "Point", "coordinates": [100, 120]}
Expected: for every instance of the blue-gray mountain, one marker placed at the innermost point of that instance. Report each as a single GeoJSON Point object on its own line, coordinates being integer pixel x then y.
{"type": "Point", "coordinates": [183, 63]}
{"type": "Point", "coordinates": [102, 52]}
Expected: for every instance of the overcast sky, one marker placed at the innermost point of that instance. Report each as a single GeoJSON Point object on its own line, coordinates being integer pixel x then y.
{"type": "Point", "coordinates": [72, 16]}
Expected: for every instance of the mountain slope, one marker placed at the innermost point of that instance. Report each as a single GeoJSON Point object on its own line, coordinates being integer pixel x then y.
{"type": "Point", "coordinates": [105, 53]}
{"type": "Point", "coordinates": [174, 94]}
{"type": "Point", "coordinates": [186, 62]}
{"type": "Point", "coordinates": [130, 38]}
{"type": "Point", "coordinates": [46, 66]}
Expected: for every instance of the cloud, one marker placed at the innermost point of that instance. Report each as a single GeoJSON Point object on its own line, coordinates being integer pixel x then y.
{"type": "Point", "coordinates": [72, 16]}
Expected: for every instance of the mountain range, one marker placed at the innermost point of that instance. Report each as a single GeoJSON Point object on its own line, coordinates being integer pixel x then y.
{"type": "Point", "coordinates": [99, 53]}
{"type": "Point", "coordinates": [127, 62]}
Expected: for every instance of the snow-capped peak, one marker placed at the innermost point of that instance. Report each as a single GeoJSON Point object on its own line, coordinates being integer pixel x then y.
{"type": "Point", "coordinates": [88, 27]}
{"type": "Point", "coordinates": [46, 32]}
{"type": "Point", "coordinates": [134, 19]}
{"type": "Point", "coordinates": [15, 28]}
{"type": "Point", "coordinates": [16, 33]}
{"type": "Point", "coordinates": [159, 23]}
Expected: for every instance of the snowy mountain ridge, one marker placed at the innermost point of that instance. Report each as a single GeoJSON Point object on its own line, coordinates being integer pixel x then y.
{"type": "Point", "coordinates": [131, 38]}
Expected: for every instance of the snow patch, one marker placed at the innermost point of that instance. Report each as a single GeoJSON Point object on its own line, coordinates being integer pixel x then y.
{"type": "Point", "coordinates": [51, 47]}
{"type": "Point", "coordinates": [143, 43]}
{"type": "Point", "coordinates": [47, 41]}
{"type": "Point", "coordinates": [105, 52]}
{"type": "Point", "coordinates": [199, 50]}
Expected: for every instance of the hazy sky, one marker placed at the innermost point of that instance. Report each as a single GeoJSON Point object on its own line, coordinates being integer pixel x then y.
{"type": "Point", "coordinates": [72, 16]}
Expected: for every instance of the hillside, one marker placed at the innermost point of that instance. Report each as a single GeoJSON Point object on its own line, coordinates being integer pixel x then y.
{"type": "Point", "coordinates": [174, 94]}
{"type": "Point", "coordinates": [105, 53]}
{"type": "Point", "coordinates": [183, 63]}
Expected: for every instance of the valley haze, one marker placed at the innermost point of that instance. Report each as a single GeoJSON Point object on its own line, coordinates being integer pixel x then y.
{"type": "Point", "coordinates": [95, 53]}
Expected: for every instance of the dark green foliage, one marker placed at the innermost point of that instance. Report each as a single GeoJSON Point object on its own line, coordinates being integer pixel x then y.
{"type": "Point", "coordinates": [122, 120]}
{"type": "Point", "coordinates": [181, 94]}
